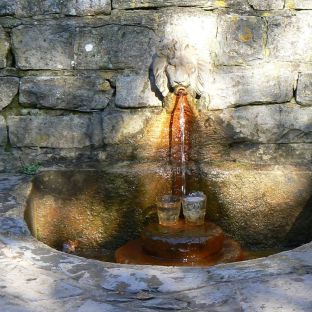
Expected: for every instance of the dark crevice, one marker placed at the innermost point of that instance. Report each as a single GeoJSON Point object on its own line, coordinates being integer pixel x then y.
{"type": "Point", "coordinates": [296, 87]}
{"type": "Point", "coordinates": [159, 8]}
{"type": "Point", "coordinates": [251, 6]}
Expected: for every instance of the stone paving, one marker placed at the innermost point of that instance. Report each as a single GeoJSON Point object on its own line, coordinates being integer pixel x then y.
{"type": "Point", "coordinates": [35, 277]}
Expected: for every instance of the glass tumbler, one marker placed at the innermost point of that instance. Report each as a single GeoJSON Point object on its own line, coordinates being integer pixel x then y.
{"type": "Point", "coordinates": [168, 209]}
{"type": "Point", "coordinates": [194, 208]}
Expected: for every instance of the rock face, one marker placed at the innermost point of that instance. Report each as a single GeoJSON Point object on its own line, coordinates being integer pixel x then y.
{"type": "Point", "coordinates": [252, 78]}
{"type": "Point", "coordinates": [71, 93]}
{"type": "Point", "coordinates": [8, 89]}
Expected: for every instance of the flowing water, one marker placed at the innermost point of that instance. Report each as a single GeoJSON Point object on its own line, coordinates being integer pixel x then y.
{"type": "Point", "coordinates": [180, 144]}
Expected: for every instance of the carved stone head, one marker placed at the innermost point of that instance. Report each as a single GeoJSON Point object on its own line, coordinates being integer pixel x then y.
{"type": "Point", "coordinates": [178, 66]}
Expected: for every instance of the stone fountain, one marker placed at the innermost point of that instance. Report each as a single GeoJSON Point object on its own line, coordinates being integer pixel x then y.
{"type": "Point", "coordinates": [189, 239]}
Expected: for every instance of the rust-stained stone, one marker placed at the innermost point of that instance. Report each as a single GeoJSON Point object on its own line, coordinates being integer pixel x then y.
{"type": "Point", "coordinates": [260, 205]}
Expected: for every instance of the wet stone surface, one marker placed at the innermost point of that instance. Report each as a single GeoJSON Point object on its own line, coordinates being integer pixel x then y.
{"type": "Point", "coordinates": [36, 278]}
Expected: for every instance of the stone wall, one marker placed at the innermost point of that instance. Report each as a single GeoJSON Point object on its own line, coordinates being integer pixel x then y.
{"type": "Point", "coordinates": [76, 84]}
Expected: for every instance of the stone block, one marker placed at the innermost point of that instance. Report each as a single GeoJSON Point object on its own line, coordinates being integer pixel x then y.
{"type": "Point", "coordinates": [27, 8]}
{"type": "Point", "coordinates": [297, 153]}
{"type": "Point", "coordinates": [3, 131]}
{"type": "Point", "coordinates": [4, 48]}
{"type": "Point", "coordinates": [240, 39]}
{"type": "Point", "coordinates": [121, 126]}
{"type": "Point", "coordinates": [44, 46]}
{"type": "Point", "coordinates": [133, 91]}
{"type": "Point", "coordinates": [7, 7]}
{"type": "Point", "coordinates": [286, 123]}
{"type": "Point", "coordinates": [267, 5]}
{"type": "Point", "coordinates": [299, 4]}
{"type": "Point", "coordinates": [114, 47]}
{"type": "Point", "coordinates": [83, 93]}
{"type": "Point", "coordinates": [289, 37]}
{"type": "Point", "coordinates": [8, 89]}
{"type": "Point", "coordinates": [86, 7]}
{"type": "Point", "coordinates": [304, 89]}
{"type": "Point", "coordinates": [196, 27]}
{"type": "Point", "coordinates": [269, 83]}
{"type": "Point", "coordinates": [70, 131]}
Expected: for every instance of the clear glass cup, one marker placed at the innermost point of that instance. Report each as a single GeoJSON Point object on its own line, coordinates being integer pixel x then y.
{"type": "Point", "coordinates": [194, 208]}
{"type": "Point", "coordinates": [168, 209]}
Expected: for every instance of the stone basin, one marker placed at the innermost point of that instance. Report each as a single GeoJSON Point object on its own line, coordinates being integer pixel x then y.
{"type": "Point", "coordinates": [261, 206]}
{"type": "Point", "coordinates": [36, 277]}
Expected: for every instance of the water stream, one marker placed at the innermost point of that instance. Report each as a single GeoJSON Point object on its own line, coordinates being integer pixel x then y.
{"type": "Point", "coordinates": [180, 143]}
{"type": "Point", "coordinates": [182, 126]}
